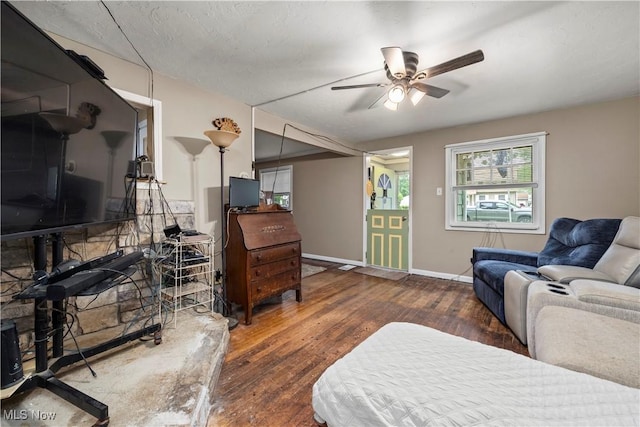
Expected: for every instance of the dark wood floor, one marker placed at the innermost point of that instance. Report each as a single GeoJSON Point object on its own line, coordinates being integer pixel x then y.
{"type": "Point", "coordinates": [272, 364]}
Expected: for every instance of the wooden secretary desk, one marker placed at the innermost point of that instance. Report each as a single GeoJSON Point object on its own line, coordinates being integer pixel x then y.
{"type": "Point", "coordinates": [262, 258]}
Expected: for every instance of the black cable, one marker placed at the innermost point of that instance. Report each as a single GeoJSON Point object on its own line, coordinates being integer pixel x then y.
{"type": "Point", "coordinates": [314, 135]}
{"type": "Point", "coordinates": [69, 326]}
{"type": "Point", "coordinates": [275, 177]}
{"type": "Point", "coordinates": [13, 275]}
{"type": "Point", "coordinates": [66, 245]}
{"type": "Point", "coordinates": [132, 46]}
{"type": "Point", "coordinates": [86, 362]}
{"type": "Point", "coordinates": [163, 203]}
{"type": "Point", "coordinates": [149, 212]}
{"type": "Point", "coordinates": [10, 289]}
{"type": "Point", "coordinates": [114, 283]}
{"type": "Point", "coordinates": [327, 139]}
{"type": "Point", "coordinates": [87, 305]}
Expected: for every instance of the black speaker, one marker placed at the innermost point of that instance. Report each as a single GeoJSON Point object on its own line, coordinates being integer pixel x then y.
{"type": "Point", "coordinates": [11, 359]}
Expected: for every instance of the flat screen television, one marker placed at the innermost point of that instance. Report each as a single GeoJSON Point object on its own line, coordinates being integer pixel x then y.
{"type": "Point", "coordinates": [67, 138]}
{"type": "Point", "coordinates": [243, 193]}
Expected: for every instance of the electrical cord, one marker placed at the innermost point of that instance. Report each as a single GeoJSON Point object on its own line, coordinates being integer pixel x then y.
{"type": "Point", "coordinates": [164, 203]}
{"type": "Point", "coordinates": [86, 362]}
{"type": "Point", "coordinates": [10, 289]}
{"type": "Point", "coordinates": [133, 47]}
{"type": "Point", "coordinates": [66, 245]}
{"type": "Point", "coordinates": [489, 237]}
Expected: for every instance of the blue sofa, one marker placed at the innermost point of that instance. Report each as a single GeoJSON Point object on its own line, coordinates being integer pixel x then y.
{"type": "Point", "coordinates": [571, 242]}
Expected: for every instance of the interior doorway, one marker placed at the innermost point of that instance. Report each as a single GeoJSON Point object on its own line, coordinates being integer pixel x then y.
{"type": "Point", "coordinates": [387, 242]}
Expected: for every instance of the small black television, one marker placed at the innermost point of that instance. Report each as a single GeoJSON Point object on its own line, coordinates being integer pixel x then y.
{"type": "Point", "coordinates": [67, 137]}
{"type": "Point", "coordinates": [244, 193]}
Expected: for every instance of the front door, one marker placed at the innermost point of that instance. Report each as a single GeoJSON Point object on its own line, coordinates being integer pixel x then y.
{"type": "Point", "coordinates": [387, 209]}
{"type": "Point", "coordinates": [387, 235]}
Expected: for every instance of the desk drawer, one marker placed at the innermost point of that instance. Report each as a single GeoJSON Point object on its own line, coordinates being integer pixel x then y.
{"type": "Point", "coordinates": [275, 285]}
{"type": "Point", "coordinates": [261, 256]}
{"type": "Point", "coordinates": [265, 271]}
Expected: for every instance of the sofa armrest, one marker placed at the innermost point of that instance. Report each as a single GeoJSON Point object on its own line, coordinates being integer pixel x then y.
{"type": "Point", "coordinates": [508, 255]}
{"type": "Point", "coordinates": [569, 273]}
{"type": "Point", "coordinates": [607, 294]}
{"type": "Point", "coordinates": [544, 293]}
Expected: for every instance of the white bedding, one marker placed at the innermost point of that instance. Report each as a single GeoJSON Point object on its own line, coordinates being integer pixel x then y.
{"type": "Point", "coordinates": [410, 375]}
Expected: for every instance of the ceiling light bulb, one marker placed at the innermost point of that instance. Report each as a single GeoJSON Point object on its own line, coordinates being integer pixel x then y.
{"type": "Point", "coordinates": [416, 96]}
{"type": "Point", "coordinates": [396, 94]}
{"type": "Point", "coordinates": [400, 153]}
{"type": "Point", "coordinates": [390, 105]}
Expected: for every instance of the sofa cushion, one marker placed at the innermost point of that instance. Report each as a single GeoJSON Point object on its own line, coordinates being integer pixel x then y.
{"type": "Point", "coordinates": [493, 272]}
{"type": "Point", "coordinates": [576, 242]}
{"type": "Point", "coordinates": [622, 259]}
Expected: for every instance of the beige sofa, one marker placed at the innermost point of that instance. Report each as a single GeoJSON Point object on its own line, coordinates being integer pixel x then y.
{"type": "Point", "coordinates": [589, 320]}
{"type": "Point", "coordinates": [619, 264]}
{"type": "Point", "coordinates": [593, 327]}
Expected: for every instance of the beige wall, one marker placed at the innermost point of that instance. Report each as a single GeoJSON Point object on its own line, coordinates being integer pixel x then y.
{"type": "Point", "coordinates": [593, 158]}
{"type": "Point", "coordinates": [592, 168]}
{"type": "Point", "coordinates": [187, 112]}
{"type": "Point", "coordinates": [327, 205]}
{"type": "Point", "coordinates": [592, 161]}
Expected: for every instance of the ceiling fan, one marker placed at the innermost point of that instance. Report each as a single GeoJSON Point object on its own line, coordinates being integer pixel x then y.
{"type": "Point", "coordinates": [405, 81]}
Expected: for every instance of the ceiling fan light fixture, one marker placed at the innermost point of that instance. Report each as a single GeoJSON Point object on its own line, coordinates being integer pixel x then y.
{"type": "Point", "coordinates": [393, 106]}
{"type": "Point", "coordinates": [416, 96]}
{"type": "Point", "coordinates": [396, 93]}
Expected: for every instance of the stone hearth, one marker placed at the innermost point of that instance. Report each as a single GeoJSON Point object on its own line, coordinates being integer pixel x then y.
{"type": "Point", "coordinates": [143, 384]}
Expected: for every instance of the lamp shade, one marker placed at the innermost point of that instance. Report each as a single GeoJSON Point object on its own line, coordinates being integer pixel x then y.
{"type": "Point", "coordinates": [221, 138]}
{"type": "Point", "coordinates": [390, 105]}
{"type": "Point", "coordinates": [114, 138]}
{"type": "Point", "coordinates": [416, 96]}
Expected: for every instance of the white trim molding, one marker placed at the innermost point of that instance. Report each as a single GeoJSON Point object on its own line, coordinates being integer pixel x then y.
{"type": "Point", "coordinates": [157, 126]}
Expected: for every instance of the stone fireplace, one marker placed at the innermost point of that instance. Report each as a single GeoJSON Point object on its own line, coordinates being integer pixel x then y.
{"type": "Point", "coordinates": [125, 306]}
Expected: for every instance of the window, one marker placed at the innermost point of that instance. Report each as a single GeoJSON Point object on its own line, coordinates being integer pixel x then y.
{"type": "Point", "coordinates": [497, 183]}
{"type": "Point", "coordinates": [275, 184]}
{"type": "Point", "coordinates": [402, 189]}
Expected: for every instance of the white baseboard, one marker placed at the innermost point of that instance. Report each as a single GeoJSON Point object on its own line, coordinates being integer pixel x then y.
{"type": "Point", "coordinates": [332, 259]}
{"type": "Point", "coordinates": [436, 274]}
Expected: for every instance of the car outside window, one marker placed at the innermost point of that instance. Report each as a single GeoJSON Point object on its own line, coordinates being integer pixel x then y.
{"type": "Point", "coordinates": [496, 183]}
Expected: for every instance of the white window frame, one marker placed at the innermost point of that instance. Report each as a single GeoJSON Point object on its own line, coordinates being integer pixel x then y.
{"type": "Point", "coordinates": [538, 142]}
{"type": "Point", "coordinates": [157, 127]}
{"type": "Point", "coordinates": [288, 169]}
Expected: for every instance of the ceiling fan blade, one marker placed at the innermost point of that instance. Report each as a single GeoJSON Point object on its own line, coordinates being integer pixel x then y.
{"type": "Point", "coordinates": [395, 61]}
{"type": "Point", "coordinates": [433, 91]}
{"type": "Point", "coordinates": [454, 64]}
{"type": "Point", "coordinates": [377, 103]}
{"type": "Point", "coordinates": [359, 86]}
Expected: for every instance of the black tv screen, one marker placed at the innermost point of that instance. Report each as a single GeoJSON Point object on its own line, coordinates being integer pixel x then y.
{"type": "Point", "coordinates": [67, 138]}
{"type": "Point", "coordinates": [243, 192]}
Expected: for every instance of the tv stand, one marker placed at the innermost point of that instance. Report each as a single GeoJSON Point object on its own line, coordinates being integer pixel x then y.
{"type": "Point", "coordinates": [44, 374]}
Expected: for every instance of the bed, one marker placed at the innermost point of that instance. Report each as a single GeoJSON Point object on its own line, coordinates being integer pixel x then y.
{"type": "Point", "coordinates": [411, 375]}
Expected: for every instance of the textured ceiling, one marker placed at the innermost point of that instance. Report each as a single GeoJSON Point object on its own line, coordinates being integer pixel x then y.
{"type": "Point", "coordinates": [538, 55]}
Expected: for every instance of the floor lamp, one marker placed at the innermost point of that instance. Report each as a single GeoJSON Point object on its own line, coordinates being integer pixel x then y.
{"type": "Point", "coordinates": [223, 139]}
{"type": "Point", "coordinates": [114, 139]}
{"type": "Point", "coordinates": [65, 126]}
